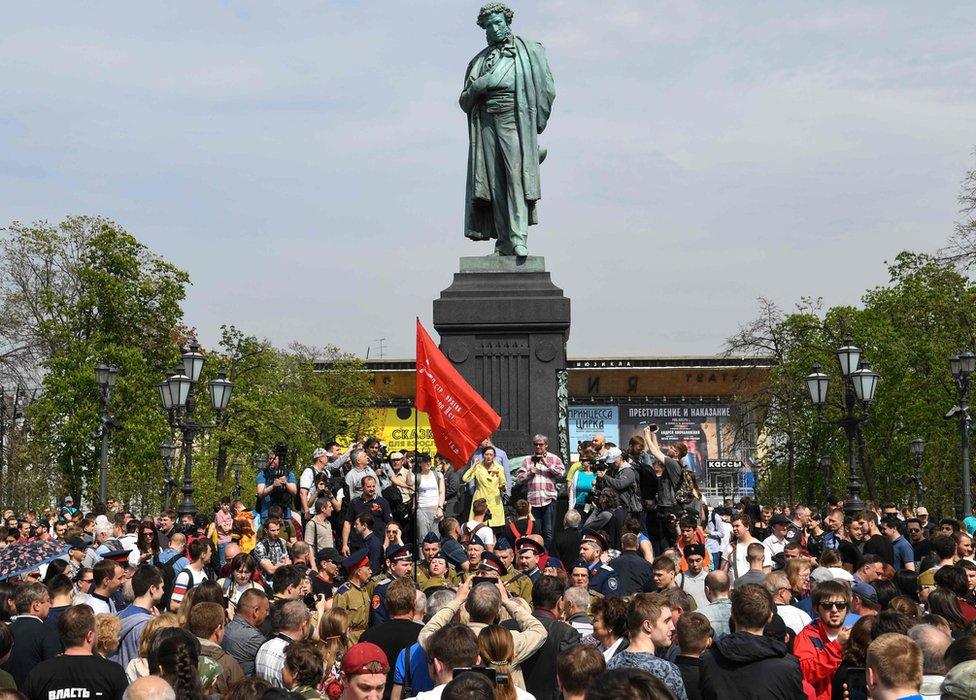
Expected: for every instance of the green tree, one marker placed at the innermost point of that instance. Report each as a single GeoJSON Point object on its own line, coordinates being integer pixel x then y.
{"type": "Point", "coordinates": [301, 396]}
{"type": "Point", "coordinates": [82, 292]}
{"type": "Point", "coordinates": [908, 329]}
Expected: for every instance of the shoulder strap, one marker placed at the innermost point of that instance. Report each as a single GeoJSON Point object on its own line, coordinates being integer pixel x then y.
{"type": "Point", "coordinates": [515, 532]}
{"type": "Point", "coordinates": [528, 529]}
{"type": "Point", "coordinates": [682, 586]}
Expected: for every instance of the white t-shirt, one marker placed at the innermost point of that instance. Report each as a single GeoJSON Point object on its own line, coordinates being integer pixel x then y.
{"type": "Point", "coordinates": [774, 545]}
{"type": "Point", "coordinates": [740, 564]}
{"type": "Point", "coordinates": [307, 479]}
{"type": "Point", "coordinates": [794, 618]}
{"type": "Point", "coordinates": [694, 586]}
{"type": "Point", "coordinates": [96, 604]}
{"type": "Point", "coordinates": [428, 495]}
{"type": "Point", "coordinates": [485, 533]}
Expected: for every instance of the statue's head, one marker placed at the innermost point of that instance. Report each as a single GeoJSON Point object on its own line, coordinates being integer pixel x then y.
{"type": "Point", "coordinates": [496, 19]}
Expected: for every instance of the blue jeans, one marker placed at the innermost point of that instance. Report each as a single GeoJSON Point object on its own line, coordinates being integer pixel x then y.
{"type": "Point", "coordinates": [546, 517]}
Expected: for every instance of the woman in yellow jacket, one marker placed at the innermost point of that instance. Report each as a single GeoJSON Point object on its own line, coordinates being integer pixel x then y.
{"type": "Point", "coordinates": [490, 482]}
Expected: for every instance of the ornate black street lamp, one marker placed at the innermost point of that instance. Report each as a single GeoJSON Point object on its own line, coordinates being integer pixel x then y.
{"type": "Point", "coordinates": [918, 446]}
{"type": "Point", "coordinates": [168, 452]}
{"type": "Point", "coordinates": [105, 375]}
{"type": "Point", "coordinates": [860, 384]}
{"type": "Point", "coordinates": [237, 479]}
{"type": "Point", "coordinates": [825, 464]}
{"type": "Point", "coordinates": [962, 367]}
{"type": "Point", "coordinates": [177, 395]}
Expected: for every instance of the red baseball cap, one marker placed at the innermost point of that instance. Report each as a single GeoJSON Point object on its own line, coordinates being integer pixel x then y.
{"type": "Point", "coordinates": [364, 657]}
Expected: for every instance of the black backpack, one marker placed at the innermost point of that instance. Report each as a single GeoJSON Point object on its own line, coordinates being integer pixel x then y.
{"type": "Point", "coordinates": [169, 581]}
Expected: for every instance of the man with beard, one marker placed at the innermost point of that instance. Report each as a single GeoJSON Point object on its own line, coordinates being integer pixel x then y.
{"type": "Point", "coordinates": [819, 646]}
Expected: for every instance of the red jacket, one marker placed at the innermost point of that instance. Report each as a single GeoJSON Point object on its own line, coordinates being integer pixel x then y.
{"type": "Point", "coordinates": [818, 656]}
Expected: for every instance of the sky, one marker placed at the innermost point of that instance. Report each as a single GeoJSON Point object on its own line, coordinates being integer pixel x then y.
{"type": "Point", "coordinates": [305, 161]}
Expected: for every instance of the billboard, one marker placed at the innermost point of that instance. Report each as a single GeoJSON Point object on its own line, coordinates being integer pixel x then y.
{"type": "Point", "coordinates": [704, 429]}
{"type": "Point", "coordinates": [394, 426]}
{"type": "Point", "coordinates": [587, 421]}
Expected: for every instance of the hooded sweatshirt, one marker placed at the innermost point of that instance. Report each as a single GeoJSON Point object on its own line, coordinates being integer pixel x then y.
{"type": "Point", "coordinates": [749, 667]}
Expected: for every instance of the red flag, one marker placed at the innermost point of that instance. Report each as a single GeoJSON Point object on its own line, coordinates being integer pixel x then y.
{"type": "Point", "coordinates": [459, 418]}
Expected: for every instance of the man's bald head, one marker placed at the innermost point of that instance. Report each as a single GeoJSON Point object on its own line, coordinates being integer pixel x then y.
{"type": "Point", "coordinates": [717, 582]}
{"type": "Point", "coordinates": [231, 550]}
{"type": "Point", "coordinates": [149, 688]}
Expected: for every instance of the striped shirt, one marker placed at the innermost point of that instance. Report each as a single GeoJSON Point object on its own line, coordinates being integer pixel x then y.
{"type": "Point", "coordinates": [540, 478]}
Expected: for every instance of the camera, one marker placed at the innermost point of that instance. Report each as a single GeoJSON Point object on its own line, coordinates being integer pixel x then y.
{"type": "Point", "coordinates": [537, 459]}
{"type": "Point", "coordinates": [491, 674]}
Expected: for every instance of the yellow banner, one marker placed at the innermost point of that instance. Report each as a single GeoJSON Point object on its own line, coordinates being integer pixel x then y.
{"type": "Point", "coordinates": [394, 426]}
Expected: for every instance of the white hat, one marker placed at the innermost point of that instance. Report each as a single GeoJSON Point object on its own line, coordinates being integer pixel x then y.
{"type": "Point", "coordinates": [319, 452]}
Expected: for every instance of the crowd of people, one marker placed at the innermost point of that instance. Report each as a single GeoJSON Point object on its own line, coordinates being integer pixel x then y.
{"type": "Point", "coordinates": [371, 575]}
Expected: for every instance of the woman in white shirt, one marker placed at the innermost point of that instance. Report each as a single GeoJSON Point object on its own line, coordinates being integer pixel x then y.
{"type": "Point", "coordinates": [430, 499]}
{"type": "Point", "coordinates": [241, 578]}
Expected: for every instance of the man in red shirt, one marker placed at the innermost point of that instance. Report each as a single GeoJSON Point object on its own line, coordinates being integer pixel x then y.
{"type": "Point", "coordinates": [818, 646]}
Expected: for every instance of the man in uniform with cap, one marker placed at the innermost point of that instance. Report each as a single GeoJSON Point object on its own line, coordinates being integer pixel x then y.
{"type": "Point", "coordinates": [399, 564]}
{"type": "Point", "coordinates": [603, 579]}
{"type": "Point", "coordinates": [529, 552]}
{"type": "Point", "coordinates": [363, 672]}
{"type": "Point", "coordinates": [515, 581]}
{"type": "Point", "coordinates": [354, 595]}
{"type": "Point", "coordinates": [475, 549]}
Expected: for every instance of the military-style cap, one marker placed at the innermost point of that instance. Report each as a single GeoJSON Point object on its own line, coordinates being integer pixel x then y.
{"type": "Point", "coordinates": [694, 549]}
{"type": "Point", "coordinates": [356, 560]}
{"type": "Point", "coordinates": [523, 543]}
{"type": "Point", "coordinates": [595, 537]}
{"type": "Point", "coordinates": [398, 552]}
{"type": "Point", "coordinates": [431, 538]}
{"type": "Point", "coordinates": [490, 561]}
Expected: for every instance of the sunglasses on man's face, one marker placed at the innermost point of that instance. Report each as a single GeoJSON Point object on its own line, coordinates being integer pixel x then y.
{"type": "Point", "coordinates": [914, 529]}
{"type": "Point", "coordinates": [833, 605]}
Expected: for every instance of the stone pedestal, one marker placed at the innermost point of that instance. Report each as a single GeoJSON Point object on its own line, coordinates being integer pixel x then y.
{"type": "Point", "coordinates": [504, 326]}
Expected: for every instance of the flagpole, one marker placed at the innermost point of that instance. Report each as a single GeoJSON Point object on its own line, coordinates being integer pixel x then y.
{"type": "Point", "coordinates": [416, 473]}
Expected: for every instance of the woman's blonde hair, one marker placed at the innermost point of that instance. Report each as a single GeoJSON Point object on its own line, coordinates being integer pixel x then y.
{"type": "Point", "coordinates": [166, 619]}
{"type": "Point", "coordinates": [183, 610]}
{"type": "Point", "coordinates": [334, 635]}
{"type": "Point", "coordinates": [497, 649]}
{"type": "Point", "coordinates": [793, 568]}
{"type": "Point", "coordinates": [107, 630]}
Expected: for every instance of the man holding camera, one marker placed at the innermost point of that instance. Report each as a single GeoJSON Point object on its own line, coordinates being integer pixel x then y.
{"type": "Point", "coordinates": [540, 472]}
{"type": "Point", "coordinates": [276, 485]}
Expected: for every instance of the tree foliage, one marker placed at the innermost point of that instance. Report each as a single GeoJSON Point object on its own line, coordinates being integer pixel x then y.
{"type": "Point", "coordinates": [85, 291]}
{"type": "Point", "coordinates": [908, 329]}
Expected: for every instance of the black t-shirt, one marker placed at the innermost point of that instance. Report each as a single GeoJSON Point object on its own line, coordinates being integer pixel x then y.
{"type": "Point", "coordinates": [881, 547]}
{"type": "Point", "coordinates": [75, 677]}
{"type": "Point", "coordinates": [392, 637]}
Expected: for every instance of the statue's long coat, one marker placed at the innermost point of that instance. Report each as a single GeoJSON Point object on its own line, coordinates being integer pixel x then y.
{"type": "Point", "coordinates": [534, 94]}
